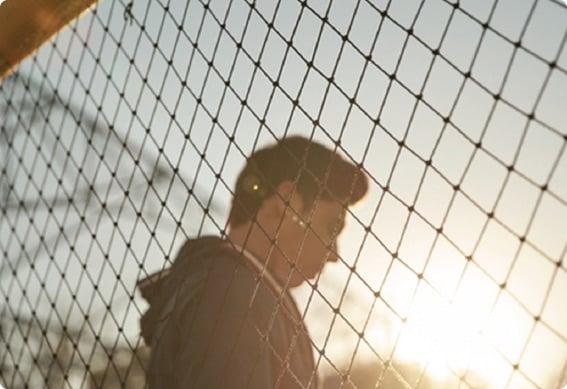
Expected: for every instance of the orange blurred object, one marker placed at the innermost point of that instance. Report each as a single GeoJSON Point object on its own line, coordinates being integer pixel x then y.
{"type": "Point", "coordinates": [26, 24]}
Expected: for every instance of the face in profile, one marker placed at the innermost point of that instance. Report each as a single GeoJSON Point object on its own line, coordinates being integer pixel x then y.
{"type": "Point", "coordinates": [310, 246]}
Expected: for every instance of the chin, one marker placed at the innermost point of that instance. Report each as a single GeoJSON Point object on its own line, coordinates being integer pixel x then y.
{"type": "Point", "coordinates": [312, 275]}
{"type": "Point", "coordinates": [299, 279]}
{"type": "Point", "coordinates": [296, 281]}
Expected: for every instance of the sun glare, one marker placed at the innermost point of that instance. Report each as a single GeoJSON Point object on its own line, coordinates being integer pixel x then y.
{"type": "Point", "coordinates": [457, 338]}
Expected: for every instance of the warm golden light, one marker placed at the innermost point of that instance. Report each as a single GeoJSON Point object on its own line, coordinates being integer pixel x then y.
{"type": "Point", "coordinates": [465, 337]}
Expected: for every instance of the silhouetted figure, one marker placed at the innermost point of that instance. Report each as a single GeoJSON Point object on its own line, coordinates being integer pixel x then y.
{"type": "Point", "coordinates": [222, 316]}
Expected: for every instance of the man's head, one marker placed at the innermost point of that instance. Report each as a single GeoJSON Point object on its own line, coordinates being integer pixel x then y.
{"type": "Point", "coordinates": [296, 192]}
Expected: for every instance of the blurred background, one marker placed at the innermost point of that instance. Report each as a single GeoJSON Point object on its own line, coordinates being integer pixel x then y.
{"type": "Point", "coordinates": [123, 135]}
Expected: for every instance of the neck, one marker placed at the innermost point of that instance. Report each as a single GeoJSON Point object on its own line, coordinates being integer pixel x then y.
{"type": "Point", "coordinates": [251, 237]}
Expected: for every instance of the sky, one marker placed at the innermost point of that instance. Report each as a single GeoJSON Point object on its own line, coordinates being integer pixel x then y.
{"type": "Point", "coordinates": [480, 248]}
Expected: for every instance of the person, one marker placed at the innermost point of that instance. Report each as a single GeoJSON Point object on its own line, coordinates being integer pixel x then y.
{"type": "Point", "coordinates": [222, 315]}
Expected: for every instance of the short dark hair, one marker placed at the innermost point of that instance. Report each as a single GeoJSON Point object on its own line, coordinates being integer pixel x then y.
{"type": "Point", "coordinates": [318, 172]}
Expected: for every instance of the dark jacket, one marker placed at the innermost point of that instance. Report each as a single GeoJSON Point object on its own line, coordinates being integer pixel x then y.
{"type": "Point", "coordinates": [212, 323]}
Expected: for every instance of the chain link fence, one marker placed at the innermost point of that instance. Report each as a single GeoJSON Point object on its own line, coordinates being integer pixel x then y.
{"type": "Point", "coordinates": [123, 136]}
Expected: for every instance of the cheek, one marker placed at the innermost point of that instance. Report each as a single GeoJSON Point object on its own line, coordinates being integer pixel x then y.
{"type": "Point", "coordinates": [291, 242]}
{"type": "Point", "coordinates": [321, 246]}
{"type": "Point", "coordinates": [313, 253]}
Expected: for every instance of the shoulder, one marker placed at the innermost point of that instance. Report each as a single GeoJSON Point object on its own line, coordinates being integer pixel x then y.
{"type": "Point", "coordinates": [226, 278]}
{"type": "Point", "coordinates": [211, 258]}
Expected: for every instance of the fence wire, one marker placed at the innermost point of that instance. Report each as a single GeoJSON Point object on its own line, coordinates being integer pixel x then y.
{"type": "Point", "coordinates": [122, 137]}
